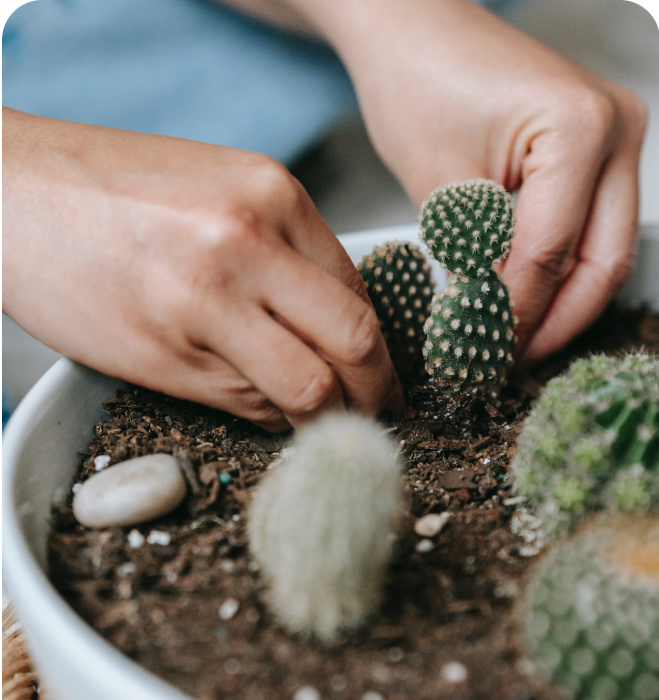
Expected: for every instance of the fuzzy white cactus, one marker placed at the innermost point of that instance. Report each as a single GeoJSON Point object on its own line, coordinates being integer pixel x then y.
{"type": "Point", "coordinates": [322, 526]}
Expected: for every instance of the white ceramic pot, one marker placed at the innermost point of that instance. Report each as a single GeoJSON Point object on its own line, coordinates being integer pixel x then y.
{"type": "Point", "coordinates": [52, 424]}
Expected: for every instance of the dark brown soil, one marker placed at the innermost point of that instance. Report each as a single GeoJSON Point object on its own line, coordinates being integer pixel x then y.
{"type": "Point", "coordinates": [159, 604]}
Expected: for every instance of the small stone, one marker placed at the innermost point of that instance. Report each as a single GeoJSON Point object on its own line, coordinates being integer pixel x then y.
{"type": "Point", "coordinates": [131, 492]}
{"type": "Point", "coordinates": [431, 524]}
{"type": "Point", "coordinates": [372, 695]}
{"type": "Point", "coordinates": [453, 672]}
{"type": "Point", "coordinates": [135, 539]}
{"type": "Point", "coordinates": [395, 654]}
{"type": "Point", "coordinates": [168, 420]}
{"type": "Point", "coordinates": [424, 546]}
{"type": "Point", "coordinates": [338, 682]}
{"type": "Point", "coordinates": [101, 462]}
{"type": "Point", "coordinates": [159, 537]}
{"type": "Point", "coordinates": [76, 487]}
{"type": "Point", "coordinates": [308, 692]}
{"type": "Point", "coordinates": [229, 608]}
{"type": "Point", "coordinates": [127, 568]}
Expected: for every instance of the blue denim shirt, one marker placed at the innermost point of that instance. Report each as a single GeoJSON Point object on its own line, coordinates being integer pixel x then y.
{"type": "Point", "coordinates": [187, 68]}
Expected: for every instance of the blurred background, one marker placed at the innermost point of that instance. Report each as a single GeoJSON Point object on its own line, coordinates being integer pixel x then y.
{"type": "Point", "coordinates": [347, 181]}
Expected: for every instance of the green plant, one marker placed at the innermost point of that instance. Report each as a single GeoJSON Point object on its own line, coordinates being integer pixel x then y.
{"type": "Point", "coordinates": [321, 526]}
{"type": "Point", "coordinates": [592, 441]}
{"type": "Point", "coordinates": [470, 334]}
{"type": "Point", "coordinates": [590, 615]}
{"type": "Point", "coordinates": [467, 227]}
{"type": "Point", "coordinates": [400, 285]}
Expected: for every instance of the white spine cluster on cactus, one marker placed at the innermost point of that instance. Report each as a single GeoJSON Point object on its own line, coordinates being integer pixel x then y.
{"type": "Point", "coordinates": [590, 615]}
{"type": "Point", "coordinates": [322, 526]}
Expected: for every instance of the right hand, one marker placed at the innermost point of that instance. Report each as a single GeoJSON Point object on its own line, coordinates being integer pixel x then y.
{"type": "Point", "coordinates": [200, 271]}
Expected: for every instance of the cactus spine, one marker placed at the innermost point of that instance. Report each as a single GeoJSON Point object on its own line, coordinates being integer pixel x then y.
{"type": "Point", "coordinates": [467, 227]}
{"type": "Point", "coordinates": [400, 285]}
{"type": "Point", "coordinates": [590, 615]}
{"type": "Point", "coordinates": [321, 526]}
{"type": "Point", "coordinates": [592, 441]}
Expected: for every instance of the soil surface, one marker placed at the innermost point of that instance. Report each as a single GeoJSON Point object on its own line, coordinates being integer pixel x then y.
{"type": "Point", "coordinates": [192, 611]}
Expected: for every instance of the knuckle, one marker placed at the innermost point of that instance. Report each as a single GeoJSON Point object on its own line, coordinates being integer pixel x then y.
{"type": "Point", "coordinates": [363, 337]}
{"type": "Point", "coordinates": [274, 183]}
{"type": "Point", "coordinates": [593, 111]}
{"type": "Point", "coordinates": [314, 393]}
{"type": "Point", "coordinates": [554, 263]}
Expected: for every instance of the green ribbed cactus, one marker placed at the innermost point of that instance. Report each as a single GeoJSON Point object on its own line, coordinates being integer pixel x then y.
{"type": "Point", "coordinates": [468, 225]}
{"type": "Point", "coordinates": [592, 441]}
{"type": "Point", "coordinates": [470, 333]}
{"type": "Point", "coordinates": [590, 615]}
{"type": "Point", "coordinates": [400, 285]}
{"type": "Point", "coordinates": [322, 525]}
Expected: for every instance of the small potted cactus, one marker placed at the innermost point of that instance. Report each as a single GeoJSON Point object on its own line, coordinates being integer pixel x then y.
{"type": "Point", "coordinates": [322, 526]}
{"type": "Point", "coordinates": [590, 615]}
{"type": "Point", "coordinates": [592, 442]}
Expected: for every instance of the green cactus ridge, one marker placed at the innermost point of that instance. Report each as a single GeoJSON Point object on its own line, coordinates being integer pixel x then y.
{"type": "Point", "coordinates": [400, 285]}
{"type": "Point", "coordinates": [592, 441]}
{"type": "Point", "coordinates": [590, 615]}
{"type": "Point", "coordinates": [322, 525]}
{"type": "Point", "coordinates": [468, 225]}
{"type": "Point", "coordinates": [470, 334]}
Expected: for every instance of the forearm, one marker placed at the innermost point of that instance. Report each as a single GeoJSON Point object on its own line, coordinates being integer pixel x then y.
{"type": "Point", "coordinates": [279, 14]}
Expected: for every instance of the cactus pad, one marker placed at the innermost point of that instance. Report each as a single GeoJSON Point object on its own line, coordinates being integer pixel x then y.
{"type": "Point", "coordinates": [468, 225]}
{"type": "Point", "coordinates": [321, 526]}
{"type": "Point", "coordinates": [400, 285]}
{"type": "Point", "coordinates": [470, 334]}
{"type": "Point", "coordinates": [591, 612]}
{"type": "Point", "coordinates": [592, 441]}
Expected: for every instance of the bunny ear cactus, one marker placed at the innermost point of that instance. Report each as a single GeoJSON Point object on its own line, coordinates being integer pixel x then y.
{"type": "Point", "coordinates": [592, 441]}
{"type": "Point", "coordinates": [467, 227]}
{"type": "Point", "coordinates": [590, 615]}
{"type": "Point", "coordinates": [400, 285]}
{"type": "Point", "coordinates": [321, 526]}
{"type": "Point", "coordinates": [470, 335]}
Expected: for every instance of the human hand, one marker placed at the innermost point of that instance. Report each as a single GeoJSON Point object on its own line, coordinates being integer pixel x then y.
{"type": "Point", "coordinates": [200, 271]}
{"type": "Point", "coordinates": [450, 92]}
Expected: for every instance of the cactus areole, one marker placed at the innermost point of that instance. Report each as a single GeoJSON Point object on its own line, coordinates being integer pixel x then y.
{"type": "Point", "coordinates": [467, 227]}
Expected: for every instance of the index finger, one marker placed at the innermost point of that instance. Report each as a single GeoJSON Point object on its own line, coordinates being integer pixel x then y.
{"type": "Point", "coordinates": [559, 178]}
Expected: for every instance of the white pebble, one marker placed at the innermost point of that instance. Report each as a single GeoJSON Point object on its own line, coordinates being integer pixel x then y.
{"type": "Point", "coordinates": [159, 537]}
{"type": "Point", "coordinates": [131, 492]}
{"type": "Point", "coordinates": [431, 524]}
{"type": "Point", "coordinates": [128, 567]}
{"type": "Point", "coordinates": [454, 672]}
{"type": "Point", "coordinates": [308, 692]}
{"type": "Point", "coordinates": [372, 695]}
{"type": "Point", "coordinates": [76, 487]}
{"type": "Point", "coordinates": [101, 462]}
{"type": "Point", "coordinates": [229, 608]}
{"type": "Point", "coordinates": [424, 546]}
{"type": "Point", "coordinates": [135, 539]}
